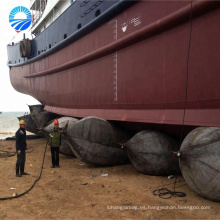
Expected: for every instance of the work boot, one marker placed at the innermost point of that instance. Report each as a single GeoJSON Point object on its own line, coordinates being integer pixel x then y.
{"type": "Point", "coordinates": [22, 170]}
{"type": "Point", "coordinates": [17, 171]}
{"type": "Point", "coordinates": [23, 173]}
{"type": "Point", "coordinates": [52, 166]}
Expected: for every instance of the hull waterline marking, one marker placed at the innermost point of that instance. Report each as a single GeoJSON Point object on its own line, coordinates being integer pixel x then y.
{"type": "Point", "coordinates": [115, 29]}
{"type": "Point", "coordinates": [134, 22]}
{"type": "Point", "coordinates": [115, 62]}
{"type": "Point", "coordinates": [114, 24]}
{"type": "Point", "coordinates": [115, 80]}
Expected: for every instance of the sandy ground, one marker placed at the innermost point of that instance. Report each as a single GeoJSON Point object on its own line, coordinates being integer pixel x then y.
{"type": "Point", "coordinates": [70, 193]}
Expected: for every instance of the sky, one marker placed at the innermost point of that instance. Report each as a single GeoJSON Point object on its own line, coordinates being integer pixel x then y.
{"type": "Point", "coordinates": [10, 99]}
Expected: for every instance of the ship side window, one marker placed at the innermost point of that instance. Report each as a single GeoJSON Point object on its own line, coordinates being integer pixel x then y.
{"type": "Point", "coordinates": [65, 36]}
{"type": "Point", "coordinates": [49, 46]}
{"type": "Point", "coordinates": [97, 13]}
{"type": "Point", "coordinates": [79, 26]}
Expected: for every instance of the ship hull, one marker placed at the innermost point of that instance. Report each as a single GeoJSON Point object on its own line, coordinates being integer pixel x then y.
{"type": "Point", "coordinates": [146, 65]}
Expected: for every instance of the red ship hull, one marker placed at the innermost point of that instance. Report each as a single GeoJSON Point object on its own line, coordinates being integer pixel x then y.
{"type": "Point", "coordinates": [138, 67]}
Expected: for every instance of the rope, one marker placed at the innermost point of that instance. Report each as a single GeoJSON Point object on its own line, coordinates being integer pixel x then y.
{"type": "Point", "coordinates": [13, 153]}
{"type": "Point", "coordinates": [7, 153]}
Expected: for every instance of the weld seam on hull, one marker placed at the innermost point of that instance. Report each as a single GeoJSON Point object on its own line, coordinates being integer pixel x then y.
{"type": "Point", "coordinates": [148, 116]}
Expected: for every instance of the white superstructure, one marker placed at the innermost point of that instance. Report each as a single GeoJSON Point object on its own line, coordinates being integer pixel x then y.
{"type": "Point", "coordinates": [45, 12]}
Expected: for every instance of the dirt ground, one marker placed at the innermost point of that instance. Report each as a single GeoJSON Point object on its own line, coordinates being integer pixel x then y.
{"type": "Point", "coordinates": [70, 193]}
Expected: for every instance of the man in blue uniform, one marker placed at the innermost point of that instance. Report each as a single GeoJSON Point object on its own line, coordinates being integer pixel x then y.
{"type": "Point", "coordinates": [21, 146]}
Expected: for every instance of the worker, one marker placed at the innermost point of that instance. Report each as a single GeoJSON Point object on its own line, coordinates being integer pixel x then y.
{"type": "Point", "coordinates": [55, 142]}
{"type": "Point", "coordinates": [21, 147]}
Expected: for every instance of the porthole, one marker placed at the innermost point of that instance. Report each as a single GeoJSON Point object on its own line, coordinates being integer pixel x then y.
{"type": "Point", "coordinates": [97, 13]}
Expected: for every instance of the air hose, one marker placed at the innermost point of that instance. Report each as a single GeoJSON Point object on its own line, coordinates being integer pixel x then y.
{"type": "Point", "coordinates": [11, 154]}
{"type": "Point", "coordinates": [19, 195]}
{"type": "Point", "coordinates": [164, 192]}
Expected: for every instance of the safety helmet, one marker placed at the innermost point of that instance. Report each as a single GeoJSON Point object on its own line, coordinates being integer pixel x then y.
{"type": "Point", "coordinates": [22, 122]}
{"type": "Point", "coordinates": [56, 122]}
